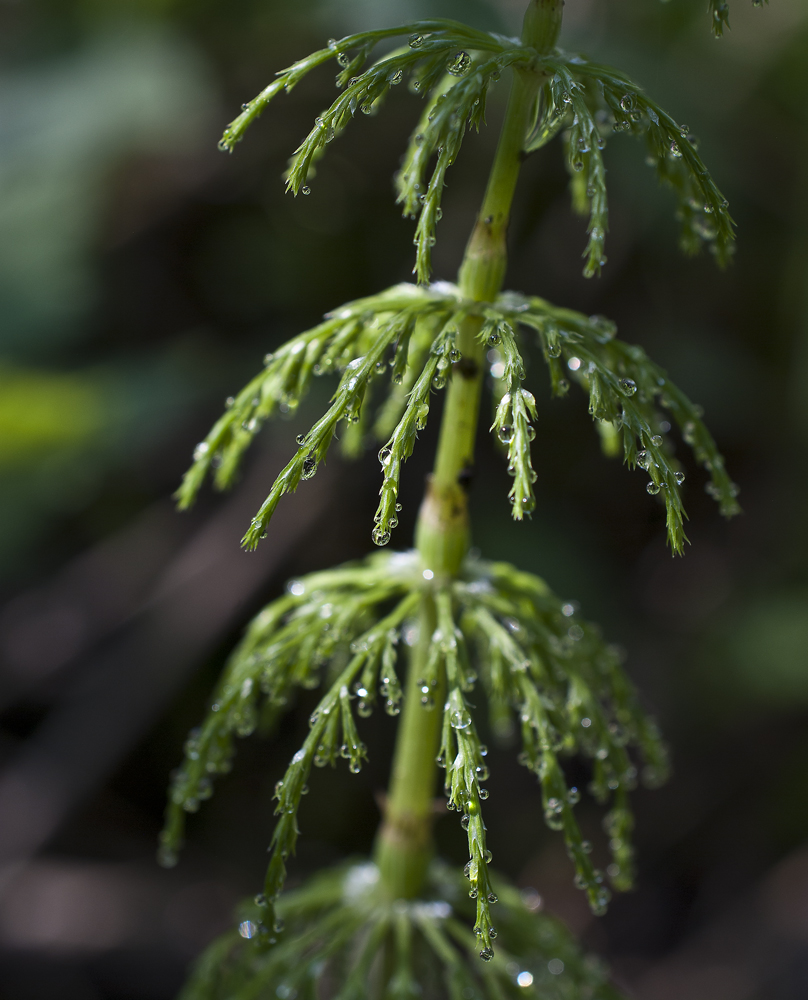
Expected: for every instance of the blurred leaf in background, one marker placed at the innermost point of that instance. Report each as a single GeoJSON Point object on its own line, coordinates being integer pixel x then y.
{"type": "Point", "coordinates": [125, 92]}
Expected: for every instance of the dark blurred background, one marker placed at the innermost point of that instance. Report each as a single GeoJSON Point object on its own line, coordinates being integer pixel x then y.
{"type": "Point", "coordinates": [143, 275]}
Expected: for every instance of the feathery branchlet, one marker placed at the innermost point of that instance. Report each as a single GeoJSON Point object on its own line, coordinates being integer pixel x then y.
{"type": "Point", "coordinates": [368, 339]}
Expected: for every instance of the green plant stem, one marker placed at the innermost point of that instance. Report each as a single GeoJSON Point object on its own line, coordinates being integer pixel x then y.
{"type": "Point", "coordinates": [442, 536]}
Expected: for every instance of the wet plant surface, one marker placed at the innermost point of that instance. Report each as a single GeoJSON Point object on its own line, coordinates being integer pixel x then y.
{"type": "Point", "coordinates": [713, 640]}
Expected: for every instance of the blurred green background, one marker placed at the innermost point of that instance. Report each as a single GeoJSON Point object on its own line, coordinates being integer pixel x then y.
{"type": "Point", "coordinates": [143, 276]}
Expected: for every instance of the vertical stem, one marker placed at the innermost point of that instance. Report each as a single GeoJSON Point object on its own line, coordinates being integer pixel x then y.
{"type": "Point", "coordinates": [403, 847]}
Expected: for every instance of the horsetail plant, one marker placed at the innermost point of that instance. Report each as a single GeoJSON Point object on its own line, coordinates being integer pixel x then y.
{"type": "Point", "coordinates": [432, 632]}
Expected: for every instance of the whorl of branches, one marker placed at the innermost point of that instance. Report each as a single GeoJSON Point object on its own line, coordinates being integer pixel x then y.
{"type": "Point", "coordinates": [500, 633]}
{"type": "Point", "coordinates": [453, 68]}
{"type": "Point", "coordinates": [340, 926]}
{"type": "Point", "coordinates": [407, 335]}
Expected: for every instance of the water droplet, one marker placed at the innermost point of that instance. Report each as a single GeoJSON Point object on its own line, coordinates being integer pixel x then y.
{"type": "Point", "coordinates": [679, 477]}
{"type": "Point", "coordinates": [416, 41]}
{"type": "Point", "coordinates": [652, 488]}
{"type": "Point", "coordinates": [247, 929]}
{"type": "Point", "coordinates": [487, 954]}
{"type": "Point", "coordinates": [380, 536]}
{"type": "Point", "coordinates": [675, 151]}
{"type": "Point", "coordinates": [459, 64]}
{"type": "Point", "coordinates": [656, 440]}
{"type": "Point", "coordinates": [305, 189]}
{"type": "Point", "coordinates": [396, 78]}
{"type": "Point", "coordinates": [309, 466]}
{"type": "Point", "coordinates": [628, 385]}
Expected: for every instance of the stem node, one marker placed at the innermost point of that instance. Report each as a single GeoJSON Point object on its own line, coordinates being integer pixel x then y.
{"type": "Point", "coordinates": [403, 848]}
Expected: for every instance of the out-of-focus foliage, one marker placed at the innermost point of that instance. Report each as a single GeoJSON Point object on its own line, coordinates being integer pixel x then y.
{"type": "Point", "coordinates": [41, 412]}
{"type": "Point", "coordinates": [71, 125]}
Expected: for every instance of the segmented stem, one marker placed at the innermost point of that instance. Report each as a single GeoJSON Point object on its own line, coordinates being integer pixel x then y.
{"type": "Point", "coordinates": [442, 535]}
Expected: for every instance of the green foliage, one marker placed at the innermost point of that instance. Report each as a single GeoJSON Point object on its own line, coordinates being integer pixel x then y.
{"type": "Point", "coordinates": [286, 647]}
{"type": "Point", "coordinates": [343, 929]}
{"type": "Point", "coordinates": [498, 630]}
{"type": "Point", "coordinates": [412, 330]}
{"type": "Point", "coordinates": [43, 412]}
{"type": "Point", "coordinates": [354, 341]}
{"type": "Point", "coordinates": [719, 14]}
{"type": "Point", "coordinates": [453, 67]}
{"type": "Point", "coordinates": [599, 101]}
{"type": "Point", "coordinates": [500, 635]}
{"type": "Point", "coordinates": [409, 331]}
